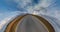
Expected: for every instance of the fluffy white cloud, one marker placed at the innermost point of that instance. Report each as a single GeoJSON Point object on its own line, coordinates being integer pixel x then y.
{"type": "Point", "coordinates": [40, 8]}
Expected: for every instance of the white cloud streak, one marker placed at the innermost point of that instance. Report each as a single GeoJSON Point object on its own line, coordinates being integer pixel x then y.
{"type": "Point", "coordinates": [3, 22]}
{"type": "Point", "coordinates": [6, 20]}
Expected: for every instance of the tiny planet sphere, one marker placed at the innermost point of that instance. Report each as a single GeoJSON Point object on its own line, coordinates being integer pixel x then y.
{"type": "Point", "coordinates": [29, 23]}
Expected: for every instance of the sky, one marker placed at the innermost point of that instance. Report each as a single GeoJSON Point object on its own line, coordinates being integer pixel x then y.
{"type": "Point", "coordinates": [10, 8]}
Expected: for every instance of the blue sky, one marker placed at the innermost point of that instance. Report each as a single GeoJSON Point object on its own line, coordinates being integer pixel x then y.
{"type": "Point", "coordinates": [9, 8]}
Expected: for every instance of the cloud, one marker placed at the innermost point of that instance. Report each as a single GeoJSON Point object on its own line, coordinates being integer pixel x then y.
{"type": "Point", "coordinates": [3, 22]}
{"type": "Point", "coordinates": [11, 16]}
{"type": "Point", "coordinates": [27, 5]}
{"type": "Point", "coordinates": [7, 19]}
{"type": "Point", "coordinates": [39, 8]}
{"type": "Point", "coordinates": [57, 14]}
